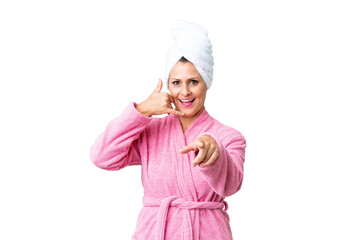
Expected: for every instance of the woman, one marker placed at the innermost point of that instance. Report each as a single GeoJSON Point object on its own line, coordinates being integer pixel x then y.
{"type": "Point", "coordinates": [190, 161]}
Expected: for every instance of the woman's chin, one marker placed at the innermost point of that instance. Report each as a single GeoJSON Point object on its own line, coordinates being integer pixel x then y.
{"type": "Point", "coordinates": [188, 112]}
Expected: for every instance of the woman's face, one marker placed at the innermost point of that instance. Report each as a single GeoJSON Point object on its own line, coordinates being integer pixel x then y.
{"type": "Point", "coordinates": [186, 83]}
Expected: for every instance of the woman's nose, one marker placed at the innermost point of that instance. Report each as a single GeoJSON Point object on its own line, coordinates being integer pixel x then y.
{"type": "Point", "coordinates": [185, 90]}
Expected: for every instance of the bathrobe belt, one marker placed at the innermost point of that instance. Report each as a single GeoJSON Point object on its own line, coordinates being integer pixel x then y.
{"type": "Point", "coordinates": [174, 201]}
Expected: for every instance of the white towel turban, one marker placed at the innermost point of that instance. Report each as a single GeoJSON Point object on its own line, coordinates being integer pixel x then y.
{"type": "Point", "coordinates": [192, 42]}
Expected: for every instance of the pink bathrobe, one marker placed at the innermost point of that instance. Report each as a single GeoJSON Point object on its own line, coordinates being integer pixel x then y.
{"type": "Point", "coordinates": [179, 202]}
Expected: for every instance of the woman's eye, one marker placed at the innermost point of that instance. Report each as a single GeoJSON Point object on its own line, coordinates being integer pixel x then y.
{"type": "Point", "coordinates": [192, 81]}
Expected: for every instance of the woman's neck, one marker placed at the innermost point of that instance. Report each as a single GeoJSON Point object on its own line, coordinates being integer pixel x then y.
{"type": "Point", "coordinates": [187, 121]}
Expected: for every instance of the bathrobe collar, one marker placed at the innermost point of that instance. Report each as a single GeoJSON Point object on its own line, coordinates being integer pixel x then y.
{"type": "Point", "coordinates": [203, 117]}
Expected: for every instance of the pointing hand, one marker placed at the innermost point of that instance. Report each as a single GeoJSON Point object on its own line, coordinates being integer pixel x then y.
{"type": "Point", "coordinates": [207, 150]}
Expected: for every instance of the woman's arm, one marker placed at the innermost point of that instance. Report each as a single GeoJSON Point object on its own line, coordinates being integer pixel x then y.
{"type": "Point", "coordinates": [226, 174]}
{"type": "Point", "coordinates": [118, 146]}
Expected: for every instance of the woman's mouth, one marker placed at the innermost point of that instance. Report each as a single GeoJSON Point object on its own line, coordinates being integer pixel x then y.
{"type": "Point", "coordinates": [186, 103]}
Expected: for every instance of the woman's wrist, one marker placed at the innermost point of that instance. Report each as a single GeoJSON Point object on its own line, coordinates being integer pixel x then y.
{"type": "Point", "coordinates": [143, 111]}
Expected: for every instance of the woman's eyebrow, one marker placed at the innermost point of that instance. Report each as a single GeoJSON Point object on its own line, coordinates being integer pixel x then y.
{"type": "Point", "coordinates": [187, 79]}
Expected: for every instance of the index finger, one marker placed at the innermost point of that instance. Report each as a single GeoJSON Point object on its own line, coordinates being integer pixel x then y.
{"type": "Point", "coordinates": [187, 148]}
{"type": "Point", "coordinates": [194, 146]}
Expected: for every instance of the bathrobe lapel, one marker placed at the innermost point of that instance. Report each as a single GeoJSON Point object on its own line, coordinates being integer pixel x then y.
{"type": "Point", "coordinates": [183, 162]}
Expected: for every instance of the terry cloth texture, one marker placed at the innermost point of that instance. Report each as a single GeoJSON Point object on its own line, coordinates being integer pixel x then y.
{"type": "Point", "coordinates": [179, 202]}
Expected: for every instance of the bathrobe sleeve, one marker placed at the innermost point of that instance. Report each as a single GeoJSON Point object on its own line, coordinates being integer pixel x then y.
{"type": "Point", "coordinates": [118, 146]}
{"type": "Point", "coordinates": [225, 175]}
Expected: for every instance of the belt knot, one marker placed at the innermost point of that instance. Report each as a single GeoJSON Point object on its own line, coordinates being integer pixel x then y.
{"type": "Point", "coordinates": [174, 201]}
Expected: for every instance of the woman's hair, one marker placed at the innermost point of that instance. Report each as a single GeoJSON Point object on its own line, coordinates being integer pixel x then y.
{"type": "Point", "coordinates": [183, 60]}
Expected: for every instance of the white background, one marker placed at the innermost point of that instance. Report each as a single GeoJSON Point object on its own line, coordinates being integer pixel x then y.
{"type": "Point", "coordinates": [285, 76]}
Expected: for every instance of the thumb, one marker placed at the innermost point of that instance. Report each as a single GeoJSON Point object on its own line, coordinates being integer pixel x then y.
{"type": "Point", "coordinates": [159, 86]}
